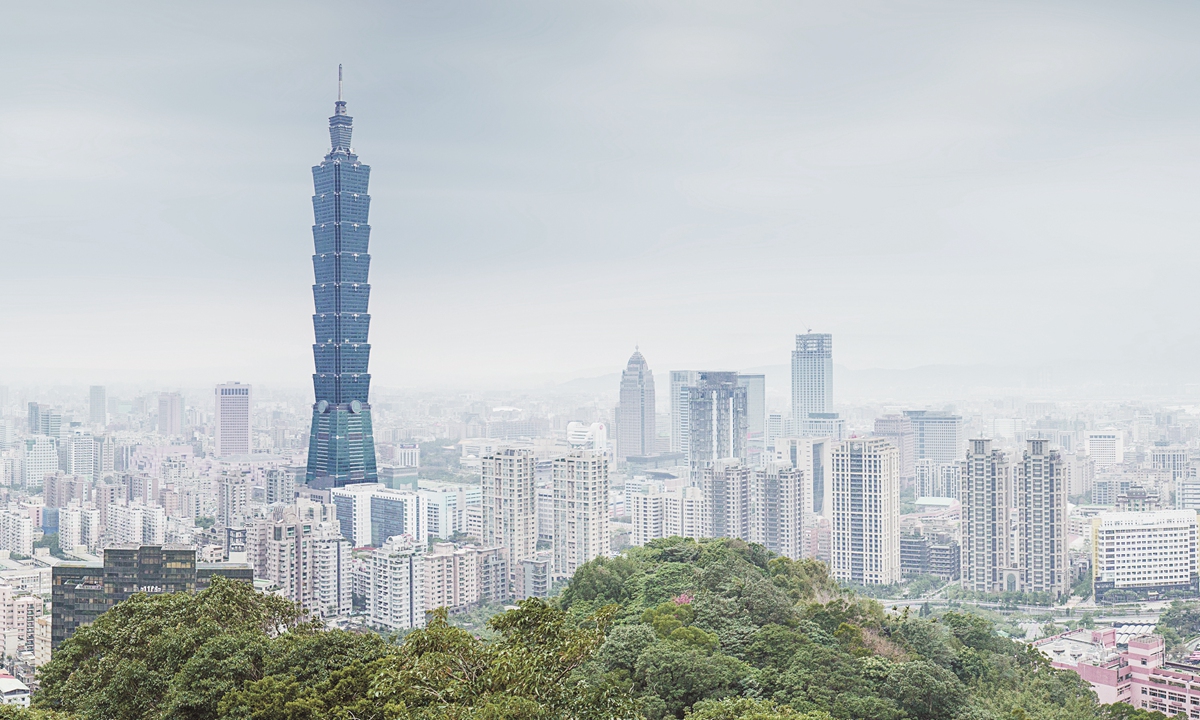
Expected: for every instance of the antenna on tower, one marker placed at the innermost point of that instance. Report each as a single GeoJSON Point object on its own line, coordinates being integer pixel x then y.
{"type": "Point", "coordinates": [339, 82]}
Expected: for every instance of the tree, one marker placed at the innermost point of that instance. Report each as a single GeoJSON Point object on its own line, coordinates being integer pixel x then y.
{"type": "Point", "coordinates": [926, 691]}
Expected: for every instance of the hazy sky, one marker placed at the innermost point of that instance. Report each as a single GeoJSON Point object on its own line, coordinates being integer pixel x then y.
{"type": "Point", "coordinates": [935, 183]}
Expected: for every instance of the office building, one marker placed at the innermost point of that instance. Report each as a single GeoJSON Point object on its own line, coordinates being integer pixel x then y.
{"type": "Point", "coordinates": [509, 503]}
{"type": "Point", "coordinates": [395, 595]}
{"type": "Point", "coordinates": [681, 380]}
{"type": "Point", "coordinates": [1144, 555]}
{"type": "Point", "coordinates": [1106, 448]}
{"type": "Point", "coordinates": [811, 456]}
{"type": "Point", "coordinates": [341, 449]}
{"type": "Point", "coordinates": [936, 436]}
{"type": "Point", "coordinates": [97, 406]}
{"type": "Point", "coordinates": [170, 414]}
{"type": "Point", "coordinates": [1170, 458]}
{"type": "Point", "coordinates": [866, 512]}
{"type": "Point", "coordinates": [232, 420]}
{"type": "Point", "coordinates": [635, 412]}
{"type": "Point", "coordinates": [812, 375]}
{"type": "Point", "coordinates": [593, 437]}
{"type": "Point", "coordinates": [716, 419]}
{"type": "Point", "coordinates": [756, 415]}
{"type": "Point", "coordinates": [397, 512]}
{"type": "Point", "coordinates": [898, 429]}
{"type": "Point", "coordinates": [81, 592]}
{"type": "Point", "coordinates": [581, 528]}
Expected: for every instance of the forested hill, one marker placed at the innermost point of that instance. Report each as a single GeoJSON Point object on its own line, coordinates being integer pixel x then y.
{"type": "Point", "coordinates": [715, 630]}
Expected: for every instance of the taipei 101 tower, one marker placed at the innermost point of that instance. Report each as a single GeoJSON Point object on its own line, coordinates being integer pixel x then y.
{"type": "Point", "coordinates": [341, 447]}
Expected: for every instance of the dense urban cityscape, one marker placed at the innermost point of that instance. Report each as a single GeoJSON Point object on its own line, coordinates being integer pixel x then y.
{"type": "Point", "coordinates": [742, 540]}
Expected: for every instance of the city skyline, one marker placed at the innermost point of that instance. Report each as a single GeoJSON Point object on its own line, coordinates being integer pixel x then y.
{"type": "Point", "coordinates": [803, 177]}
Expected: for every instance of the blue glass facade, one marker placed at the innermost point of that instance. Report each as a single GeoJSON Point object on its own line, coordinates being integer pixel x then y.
{"type": "Point", "coordinates": [341, 447]}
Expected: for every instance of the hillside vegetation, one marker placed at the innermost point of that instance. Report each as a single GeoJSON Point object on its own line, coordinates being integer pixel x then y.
{"type": "Point", "coordinates": [710, 630]}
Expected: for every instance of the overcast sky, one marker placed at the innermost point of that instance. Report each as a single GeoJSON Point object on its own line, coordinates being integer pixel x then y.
{"type": "Point", "coordinates": [948, 183]}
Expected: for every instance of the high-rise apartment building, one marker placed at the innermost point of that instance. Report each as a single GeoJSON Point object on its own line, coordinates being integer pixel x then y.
{"type": "Point", "coordinates": [636, 435]}
{"type": "Point", "coordinates": [341, 449]}
{"type": "Point", "coordinates": [232, 420]}
{"type": "Point", "coordinates": [866, 512]}
{"type": "Point", "coordinates": [812, 375]}
{"type": "Point", "coordinates": [935, 479]}
{"type": "Point", "coordinates": [170, 414]}
{"type": "Point", "coordinates": [41, 459]}
{"type": "Point", "coordinates": [936, 436]}
{"type": "Point", "coordinates": [233, 500]}
{"type": "Point", "coordinates": [97, 405]}
{"type": "Point", "coordinates": [778, 496]}
{"type": "Point", "coordinates": [989, 523]}
{"type": "Point", "coordinates": [716, 419]}
{"type": "Point", "coordinates": [580, 511]}
{"type": "Point", "coordinates": [1042, 520]}
{"type": "Point", "coordinates": [681, 380]}
{"type": "Point", "coordinates": [81, 456]}
{"type": "Point", "coordinates": [396, 589]}
{"type": "Point", "coordinates": [304, 560]}
{"type": "Point", "coordinates": [509, 493]}
{"type": "Point", "coordinates": [658, 513]}
{"type": "Point", "coordinates": [16, 532]}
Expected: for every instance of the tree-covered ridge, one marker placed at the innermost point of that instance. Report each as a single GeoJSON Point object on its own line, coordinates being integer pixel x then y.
{"type": "Point", "coordinates": [709, 630]}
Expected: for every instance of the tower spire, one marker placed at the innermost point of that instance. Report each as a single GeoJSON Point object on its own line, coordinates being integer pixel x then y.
{"type": "Point", "coordinates": [339, 82]}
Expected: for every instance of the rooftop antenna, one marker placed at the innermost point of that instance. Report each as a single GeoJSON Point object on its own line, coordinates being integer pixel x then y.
{"type": "Point", "coordinates": [339, 82]}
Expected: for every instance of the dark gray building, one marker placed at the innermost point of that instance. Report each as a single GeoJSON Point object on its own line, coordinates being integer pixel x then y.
{"type": "Point", "coordinates": [82, 592]}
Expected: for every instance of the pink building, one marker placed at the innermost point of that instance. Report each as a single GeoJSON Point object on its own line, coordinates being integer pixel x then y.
{"type": "Point", "coordinates": [1139, 674]}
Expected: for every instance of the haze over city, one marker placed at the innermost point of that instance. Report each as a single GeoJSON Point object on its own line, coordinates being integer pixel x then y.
{"type": "Point", "coordinates": [1004, 188]}
{"type": "Point", "coordinates": [599, 360]}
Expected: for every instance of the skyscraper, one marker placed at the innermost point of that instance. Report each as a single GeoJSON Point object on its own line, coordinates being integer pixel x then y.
{"type": "Point", "coordinates": [580, 510]}
{"type": "Point", "coordinates": [1042, 520]}
{"type": "Point", "coordinates": [681, 380]}
{"type": "Point", "coordinates": [97, 405]}
{"type": "Point", "coordinates": [989, 558]}
{"type": "Point", "coordinates": [716, 419]}
{"type": "Point", "coordinates": [635, 413]}
{"type": "Point", "coordinates": [341, 449]}
{"type": "Point", "coordinates": [507, 484]}
{"type": "Point", "coordinates": [234, 401]}
{"type": "Point", "coordinates": [866, 512]}
{"type": "Point", "coordinates": [170, 414]}
{"type": "Point", "coordinates": [812, 376]}
{"type": "Point", "coordinates": [756, 414]}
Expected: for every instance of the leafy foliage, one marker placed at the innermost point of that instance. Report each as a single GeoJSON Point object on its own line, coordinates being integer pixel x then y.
{"type": "Point", "coordinates": [702, 630]}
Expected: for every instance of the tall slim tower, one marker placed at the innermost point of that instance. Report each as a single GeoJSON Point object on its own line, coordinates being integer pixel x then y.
{"type": "Point", "coordinates": [341, 446]}
{"type": "Point", "coordinates": [812, 376]}
{"type": "Point", "coordinates": [97, 405]}
{"type": "Point", "coordinates": [635, 415]}
{"type": "Point", "coordinates": [866, 512]}
{"type": "Point", "coordinates": [234, 406]}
